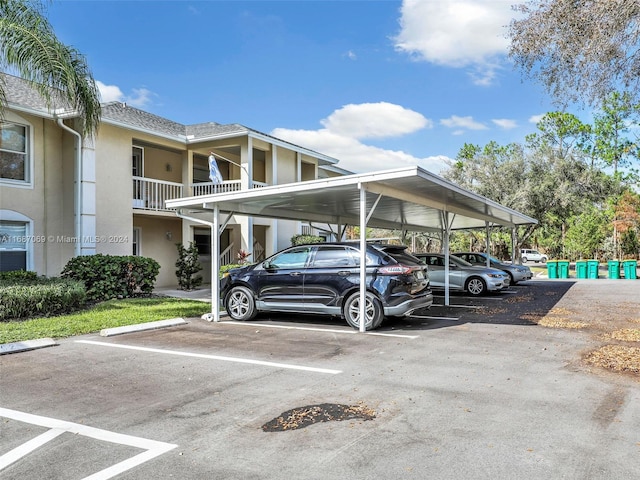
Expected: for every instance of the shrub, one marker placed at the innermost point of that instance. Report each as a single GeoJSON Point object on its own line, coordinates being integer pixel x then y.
{"type": "Point", "coordinates": [225, 268]}
{"type": "Point", "coordinates": [302, 239]}
{"type": "Point", "coordinates": [18, 276]}
{"type": "Point", "coordinates": [42, 297]}
{"type": "Point", "coordinates": [110, 276]}
{"type": "Point", "coordinates": [187, 266]}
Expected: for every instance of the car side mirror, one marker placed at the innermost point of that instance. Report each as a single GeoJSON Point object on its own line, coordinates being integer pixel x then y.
{"type": "Point", "coordinates": [267, 265]}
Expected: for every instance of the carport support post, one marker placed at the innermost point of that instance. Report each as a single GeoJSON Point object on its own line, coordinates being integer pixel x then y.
{"type": "Point", "coordinates": [487, 242]}
{"type": "Point", "coordinates": [215, 265]}
{"type": "Point", "coordinates": [363, 256]}
{"type": "Point", "coordinates": [445, 248]}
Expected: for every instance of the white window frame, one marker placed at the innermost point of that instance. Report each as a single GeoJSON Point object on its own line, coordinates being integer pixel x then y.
{"type": "Point", "coordinates": [12, 216]}
{"type": "Point", "coordinates": [136, 241]}
{"type": "Point", "coordinates": [10, 117]}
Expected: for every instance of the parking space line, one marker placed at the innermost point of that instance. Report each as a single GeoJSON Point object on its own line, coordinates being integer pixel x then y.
{"type": "Point", "coordinates": [57, 427]}
{"type": "Point", "coordinates": [458, 306]}
{"type": "Point", "coordinates": [28, 447]}
{"type": "Point", "coordinates": [213, 357]}
{"type": "Point", "coordinates": [326, 330]}
{"type": "Point", "coordinates": [424, 317]}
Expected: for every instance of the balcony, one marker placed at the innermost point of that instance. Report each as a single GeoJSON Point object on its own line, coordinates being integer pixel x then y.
{"type": "Point", "coordinates": [150, 194]}
{"type": "Point", "coordinates": [209, 188]}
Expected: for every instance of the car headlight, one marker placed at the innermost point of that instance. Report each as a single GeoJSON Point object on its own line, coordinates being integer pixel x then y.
{"type": "Point", "coordinates": [495, 275]}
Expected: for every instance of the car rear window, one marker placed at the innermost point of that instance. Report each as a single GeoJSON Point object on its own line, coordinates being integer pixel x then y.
{"type": "Point", "coordinates": [332, 256]}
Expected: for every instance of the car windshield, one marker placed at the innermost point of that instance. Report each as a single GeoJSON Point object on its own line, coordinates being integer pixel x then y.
{"type": "Point", "coordinates": [458, 261]}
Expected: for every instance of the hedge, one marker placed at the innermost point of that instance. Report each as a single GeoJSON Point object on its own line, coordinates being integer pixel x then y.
{"type": "Point", "coordinates": [42, 297]}
{"type": "Point", "coordinates": [109, 276]}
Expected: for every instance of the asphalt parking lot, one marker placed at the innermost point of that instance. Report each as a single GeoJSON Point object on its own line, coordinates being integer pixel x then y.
{"type": "Point", "coordinates": [473, 390]}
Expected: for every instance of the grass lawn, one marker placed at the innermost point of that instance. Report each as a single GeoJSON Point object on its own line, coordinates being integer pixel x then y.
{"type": "Point", "coordinates": [113, 313]}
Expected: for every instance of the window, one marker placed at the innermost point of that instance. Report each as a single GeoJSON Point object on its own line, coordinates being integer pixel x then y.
{"type": "Point", "coordinates": [333, 257]}
{"type": "Point", "coordinates": [136, 241]}
{"type": "Point", "coordinates": [14, 153]}
{"type": "Point", "coordinates": [294, 258]}
{"type": "Point", "coordinates": [14, 246]}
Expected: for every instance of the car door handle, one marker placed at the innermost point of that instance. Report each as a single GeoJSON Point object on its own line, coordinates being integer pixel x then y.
{"type": "Point", "coordinates": [343, 273]}
{"type": "Point", "coordinates": [294, 274]}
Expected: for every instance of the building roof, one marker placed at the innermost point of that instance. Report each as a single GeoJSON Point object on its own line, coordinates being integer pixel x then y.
{"type": "Point", "coordinates": [20, 95]}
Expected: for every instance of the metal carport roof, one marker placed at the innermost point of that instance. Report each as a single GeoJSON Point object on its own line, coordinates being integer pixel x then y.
{"type": "Point", "coordinates": [411, 199]}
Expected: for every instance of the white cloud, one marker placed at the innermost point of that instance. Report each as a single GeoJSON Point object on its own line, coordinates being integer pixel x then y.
{"type": "Point", "coordinates": [109, 93]}
{"type": "Point", "coordinates": [536, 118]}
{"type": "Point", "coordinates": [456, 33]}
{"type": "Point", "coordinates": [351, 55]}
{"type": "Point", "coordinates": [140, 98]}
{"type": "Point", "coordinates": [467, 123]}
{"type": "Point", "coordinates": [505, 123]}
{"type": "Point", "coordinates": [346, 126]}
{"type": "Point", "coordinates": [375, 120]}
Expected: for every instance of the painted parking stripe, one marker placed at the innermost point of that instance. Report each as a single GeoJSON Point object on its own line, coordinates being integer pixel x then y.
{"type": "Point", "coordinates": [57, 427]}
{"type": "Point", "coordinates": [325, 330]}
{"type": "Point", "coordinates": [213, 357]}
{"type": "Point", "coordinates": [425, 317]}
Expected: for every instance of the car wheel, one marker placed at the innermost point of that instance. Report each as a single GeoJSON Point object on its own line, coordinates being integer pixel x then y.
{"type": "Point", "coordinates": [373, 311]}
{"type": "Point", "coordinates": [512, 281]}
{"type": "Point", "coordinates": [524, 259]}
{"type": "Point", "coordinates": [475, 286]}
{"type": "Point", "coordinates": [544, 260]}
{"type": "Point", "coordinates": [240, 304]}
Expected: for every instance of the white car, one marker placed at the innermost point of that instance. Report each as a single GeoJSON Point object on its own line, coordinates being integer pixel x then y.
{"type": "Point", "coordinates": [532, 255]}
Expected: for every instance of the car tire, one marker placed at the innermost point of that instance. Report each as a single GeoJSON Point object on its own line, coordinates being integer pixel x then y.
{"type": "Point", "coordinates": [524, 259]}
{"type": "Point", "coordinates": [240, 304]}
{"type": "Point", "coordinates": [512, 280]}
{"type": "Point", "coordinates": [475, 286]}
{"type": "Point", "coordinates": [544, 259]}
{"type": "Point", "coordinates": [374, 313]}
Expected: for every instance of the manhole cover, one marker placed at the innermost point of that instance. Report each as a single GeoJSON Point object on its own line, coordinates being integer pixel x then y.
{"type": "Point", "coordinates": [326, 412]}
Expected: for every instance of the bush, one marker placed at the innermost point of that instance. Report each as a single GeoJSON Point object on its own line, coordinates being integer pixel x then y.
{"type": "Point", "coordinates": [225, 268]}
{"type": "Point", "coordinates": [187, 266]}
{"type": "Point", "coordinates": [17, 276]}
{"type": "Point", "coordinates": [303, 239]}
{"type": "Point", "coordinates": [42, 297]}
{"type": "Point", "coordinates": [110, 276]}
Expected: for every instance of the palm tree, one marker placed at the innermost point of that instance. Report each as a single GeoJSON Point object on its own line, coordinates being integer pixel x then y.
{"type": "Point", "coordinates": [59, 73]}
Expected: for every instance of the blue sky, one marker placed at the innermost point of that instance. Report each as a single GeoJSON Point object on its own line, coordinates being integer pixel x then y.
{"type": "Point", "coordinates": [374, 83]}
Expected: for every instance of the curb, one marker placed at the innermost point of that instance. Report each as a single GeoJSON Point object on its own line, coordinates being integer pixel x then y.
{"type": "Point", "coordinates": [16, 347]}
{"type": "Point", "coordinates": [172, 322]}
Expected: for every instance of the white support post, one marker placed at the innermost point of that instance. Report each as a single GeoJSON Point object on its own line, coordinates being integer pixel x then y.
{"type": "Point", "coordinates": [445, 248]}
{"type": "Point", "coordinates": [487, 248]}
{"type": "Point", "coordinates": [215, 265]}
{"type": "Point", "coordinates": [363, 256]}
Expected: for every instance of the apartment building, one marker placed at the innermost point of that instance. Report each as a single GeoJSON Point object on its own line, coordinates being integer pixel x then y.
{"type": "Point", "coordinates": [62, 195]}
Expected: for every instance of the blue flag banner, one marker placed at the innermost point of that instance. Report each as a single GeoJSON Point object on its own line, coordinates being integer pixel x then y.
{"type": "Point", "coordinates": [214, 171]}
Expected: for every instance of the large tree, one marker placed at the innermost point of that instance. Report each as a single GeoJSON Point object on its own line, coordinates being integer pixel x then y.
{"type": "Point", "coordinates": [29, 46]}
{"type": "Point", "coordinates": [581, 50]}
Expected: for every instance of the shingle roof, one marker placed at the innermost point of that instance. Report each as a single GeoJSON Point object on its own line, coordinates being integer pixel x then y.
{"type": "Point", "coordinates": [20, 93]}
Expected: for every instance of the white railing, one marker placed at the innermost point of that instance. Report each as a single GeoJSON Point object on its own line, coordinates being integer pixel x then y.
{"type": "Point", "coordinates": [210, 188]}
{"type": "Point", "coordinates": [258, 251]}
{"type": "Point", "coordinates": [225, 256]}
{"type": "Point", "coordinates": [150, 194]}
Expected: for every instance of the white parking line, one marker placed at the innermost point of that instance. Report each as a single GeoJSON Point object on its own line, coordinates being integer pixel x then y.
{"type": "Point", "coordinates": [423, 317]}
{"type": "Point", "coordinates": [312, 329]}
{"type": "Point", "coordinates": [213, 357]}
{"type": "Point", "coordinates": [58, 427]}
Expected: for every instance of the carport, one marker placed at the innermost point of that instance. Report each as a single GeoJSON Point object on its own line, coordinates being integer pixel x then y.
{"type": "Point", "coordinates": [411, 199]}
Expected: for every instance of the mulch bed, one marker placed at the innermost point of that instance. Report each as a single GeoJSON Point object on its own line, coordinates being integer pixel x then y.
{"type": "Point", "coordinates": [302, 417]}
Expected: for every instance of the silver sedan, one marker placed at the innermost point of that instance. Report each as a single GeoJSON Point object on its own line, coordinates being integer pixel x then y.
{"type": "Point", "coordinates": [518, 273]}
{"type": "Point", "coordinates": [463, 276]}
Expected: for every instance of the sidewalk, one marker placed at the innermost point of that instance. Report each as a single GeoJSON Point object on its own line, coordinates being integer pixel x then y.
{"type": "Point", "coordinates": [202, 293]}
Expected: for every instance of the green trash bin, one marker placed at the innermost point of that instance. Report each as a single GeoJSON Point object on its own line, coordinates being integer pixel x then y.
{"type": "Point", "coordinates": [563, 268]}
{"type": "Point", "coordinates": [552, 269]}
{"type": "Point", "coordinates": [614, 268]}
{"type": "Point", "coordinates": [630, 267]}
{"type": "Point", "coordinates": [592, 268]}
{"type": "Point", "coordinates": [581, 269]}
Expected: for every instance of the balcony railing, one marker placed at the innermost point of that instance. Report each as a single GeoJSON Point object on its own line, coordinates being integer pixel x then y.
{"type": "Point", "coordinates": [210, 188]}
{"type": "Point", "coordinates": [150, 194]}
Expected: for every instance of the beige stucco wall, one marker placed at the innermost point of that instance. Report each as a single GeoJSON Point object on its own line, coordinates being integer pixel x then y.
{"type": "Point", "coordinates": [159, 236]}
{"type": "Point", "coordinates": [49, 203]}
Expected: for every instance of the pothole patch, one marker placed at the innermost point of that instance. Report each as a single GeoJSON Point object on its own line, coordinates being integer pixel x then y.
{"type": "Point", "coordinates": [302, 417]}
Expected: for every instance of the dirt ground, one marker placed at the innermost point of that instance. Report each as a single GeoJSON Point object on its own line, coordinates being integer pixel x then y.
{"type": "Point", "coordinates": [606, 310]}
